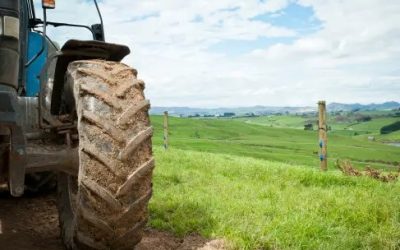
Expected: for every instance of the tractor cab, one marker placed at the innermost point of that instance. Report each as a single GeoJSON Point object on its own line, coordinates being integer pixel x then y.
{"type": "Point", "coordinates": [40, 45]}
{"type": "Point", "coordinates": [45, 63]}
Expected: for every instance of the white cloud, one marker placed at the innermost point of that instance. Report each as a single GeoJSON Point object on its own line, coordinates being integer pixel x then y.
{"type": "Point", "coordinates": [353, 58]}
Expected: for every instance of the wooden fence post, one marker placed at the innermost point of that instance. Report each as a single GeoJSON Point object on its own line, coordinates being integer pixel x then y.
{"type": "Point", "coordinates": [322, 132]}
{"type": "Point", "coordinates": [166, 130]}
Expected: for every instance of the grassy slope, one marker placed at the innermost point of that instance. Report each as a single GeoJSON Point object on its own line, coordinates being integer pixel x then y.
{"type": "Point", "coordinates": [392, 137]}
{"type": "Point", "coordinates": [277, 121]}
{"type": "Point", "coordinates": [292, 146]}
{"type": "Point", "coordinates": [258, 204]}
{"type": "Point", "coordinates": [374, 125]}
{"type": "Point", "coordinates": [292, 121]}
{"type": "Point", "coordinates": [348, 128]}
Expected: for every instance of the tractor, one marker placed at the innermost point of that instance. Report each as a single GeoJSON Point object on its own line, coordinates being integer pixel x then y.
{"type": "Point", "coordinates": [76, 114]}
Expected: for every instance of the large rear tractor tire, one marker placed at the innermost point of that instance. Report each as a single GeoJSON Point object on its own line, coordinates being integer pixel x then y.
{"type": "Point", "coordinates": [105, 207]}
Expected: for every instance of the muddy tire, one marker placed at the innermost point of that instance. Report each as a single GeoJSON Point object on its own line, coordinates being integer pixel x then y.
{"type": "Point", "coordinates": [105, 207]}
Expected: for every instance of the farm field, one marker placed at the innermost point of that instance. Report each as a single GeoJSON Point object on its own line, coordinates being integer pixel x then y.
{"type": "Point", "coordinates": [392, 137]}
{"type": "Point", "coordinates": [287, 145]}
{"type": "Point", "coordinates": [260, 204]}
{"type": "Point", "coordinates": [284, 121]}
{"type": "Point", "coordinates": [259, 187]}
{"type": "Point", "coordinates": [347, 127]}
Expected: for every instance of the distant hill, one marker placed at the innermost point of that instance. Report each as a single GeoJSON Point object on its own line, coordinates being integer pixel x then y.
{"type": "Point", "coordinates": [256, 110]}
{"type": "Point", "coordinates": [267, 110]}
{"type": "Point", "coordinates": [356, 106]}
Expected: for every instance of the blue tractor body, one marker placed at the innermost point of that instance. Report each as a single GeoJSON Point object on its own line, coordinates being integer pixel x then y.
{"type": "Point", "coordinates": [35, 43]}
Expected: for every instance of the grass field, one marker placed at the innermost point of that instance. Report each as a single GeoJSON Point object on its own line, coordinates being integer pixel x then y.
{"type": "Point", "coordinates": [259, 187]}
{"type": "Point", "coordinates": [373, 126]}
{"type": "Point", "coordinates": [260, 204]}
{"type": "Point", "coordinates": [392, 137]}
{"type": "Point", "coordinates": [277, 121]}
{"type": "Point", "coordinates": [348, 127]}
{"type": "Point", "coordinates": [287, 145]}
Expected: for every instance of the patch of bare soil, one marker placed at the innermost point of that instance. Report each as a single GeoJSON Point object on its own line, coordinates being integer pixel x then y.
{"type": "Point", "coordinates": [154, 239]}
{"type": "Point", "coordinates": [29, 223]}
{"type": "Point", "coordinates": [32, 223]}
{"type": "Point", "coordinates": [347, 168]}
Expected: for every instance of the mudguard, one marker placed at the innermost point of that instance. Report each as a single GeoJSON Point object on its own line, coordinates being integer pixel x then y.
{"type": "Point", "coordinates": [74, 50]}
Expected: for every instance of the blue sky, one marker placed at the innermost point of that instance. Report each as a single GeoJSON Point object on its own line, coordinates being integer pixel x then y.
{"type": "Point", "coordinates": [298, 18]}
{"type": "Point", "coordinates": [251, 52]}
{"type": "Point", "coordinates": [294, 16]}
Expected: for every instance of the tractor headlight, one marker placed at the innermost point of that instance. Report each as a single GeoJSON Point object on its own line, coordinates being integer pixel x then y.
{"type": "Point", "coordinates": [9, 26]}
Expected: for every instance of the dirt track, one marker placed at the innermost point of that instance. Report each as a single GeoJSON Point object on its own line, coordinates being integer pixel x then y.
{"type": "Point", "coordinates": [32, 223]}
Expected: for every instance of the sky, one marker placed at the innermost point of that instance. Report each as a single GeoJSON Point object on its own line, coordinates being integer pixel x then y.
{"type": "Point", "coordinates": [229, 53]}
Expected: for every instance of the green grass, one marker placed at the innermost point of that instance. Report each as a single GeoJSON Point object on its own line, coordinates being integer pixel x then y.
{"type": "Point", "coordinates": [350, 127]}
{"type": "Point", "coordinates": [374, 125]}
{"type": "Point", "coordinates": [259, 187]}
{"type": "Point", "coordinates": [292, 146]}
{"type": "Point", "coordinates": [392, 137]}
{"type": "Point", "coordinates": [259, 204]}
{"type": "Point", "coordinates": [282, 121]}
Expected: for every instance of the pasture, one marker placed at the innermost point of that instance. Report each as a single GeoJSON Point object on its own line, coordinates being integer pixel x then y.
{"type": "Point", "coordinates": [259, 186]}
{"type": "Point", "coordinates": [283, 144]}
{"type": "Point", "coordinates": [261, 204]}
